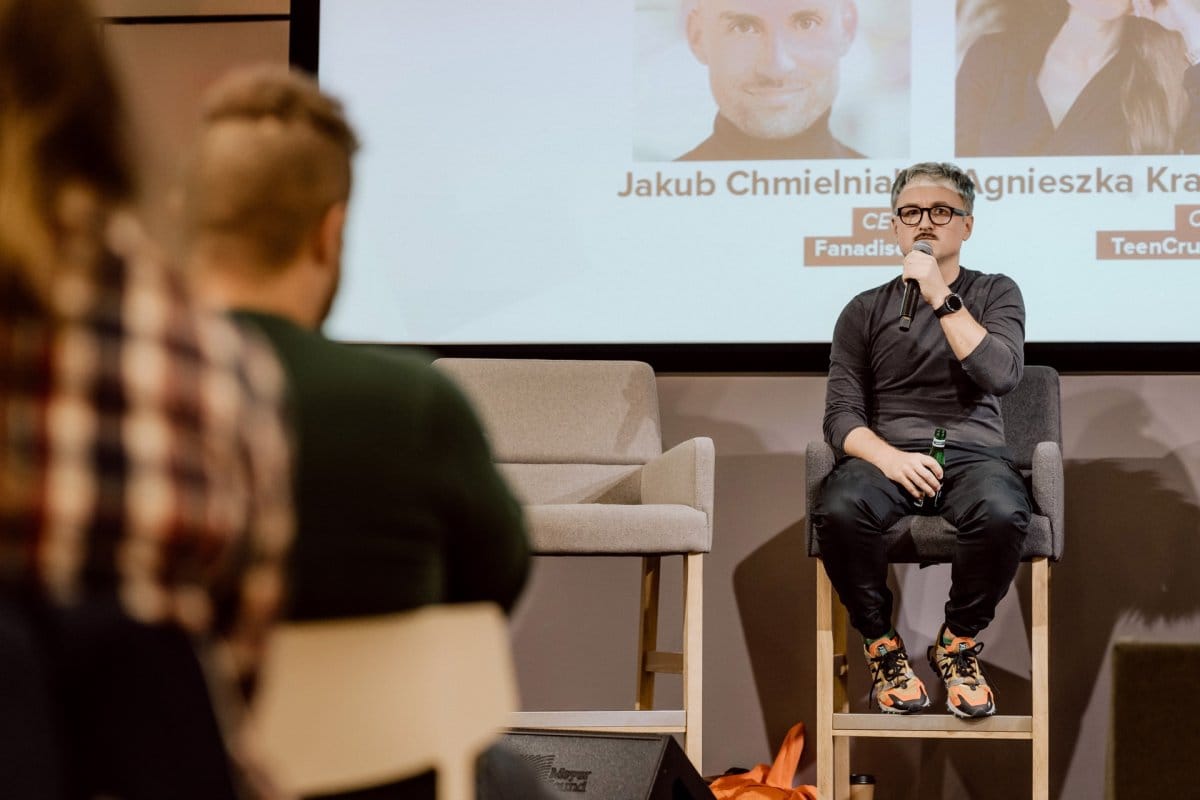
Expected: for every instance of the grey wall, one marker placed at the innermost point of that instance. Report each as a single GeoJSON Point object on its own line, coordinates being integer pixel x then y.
{"type": "Point", "coordinates": [1132, 445]}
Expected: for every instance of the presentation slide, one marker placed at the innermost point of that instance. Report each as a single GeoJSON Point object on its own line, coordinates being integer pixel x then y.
{"type": "Point", "coordinates": [718, 171]}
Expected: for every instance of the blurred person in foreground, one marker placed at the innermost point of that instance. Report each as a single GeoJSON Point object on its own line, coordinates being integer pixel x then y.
{"type": "Point", "coordinates": [399, 504]}
{"type": "Point", "coordinates": [144, 467]}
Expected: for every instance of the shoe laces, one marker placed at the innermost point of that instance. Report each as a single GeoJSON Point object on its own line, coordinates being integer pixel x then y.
{"type": "Point", "coordinates": [963, 662]}
{"type": "Point", "coordinates": [892, 665]}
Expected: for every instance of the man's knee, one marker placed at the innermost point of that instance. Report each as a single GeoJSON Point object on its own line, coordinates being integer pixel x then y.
{"type": "Point", "coordinates": [1003, 515]}
{"type": "Point", "coordinates": [836, 508]}
{"type": "Point", "coordinates": [848, 496]}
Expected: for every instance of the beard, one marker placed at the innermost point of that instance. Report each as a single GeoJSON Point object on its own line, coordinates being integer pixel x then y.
{"type": "Point", "coordinates": [781, 118]}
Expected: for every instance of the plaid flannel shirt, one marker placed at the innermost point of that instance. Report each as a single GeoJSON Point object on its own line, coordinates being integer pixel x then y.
{"type": "Point", "coordinates": [143, 454]}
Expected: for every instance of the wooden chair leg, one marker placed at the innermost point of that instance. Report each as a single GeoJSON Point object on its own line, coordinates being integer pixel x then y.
{"type": "Point", "coordinates": [841, 697]}
{"type": "Point", "coordinates": [689, 663]}
{"type": "Point", "coordinates": [647, 631]}
{"type": "Point", "coordinates": [825, 679]}
{"type": "Point", "coordinates": [456, 781]}
{"type": "Point", "coordinates": [693, 657]}
{"type": "Point", "coordinates": [833, 753]}
{"type": "Point", "coordinates": [841, 767]}
{"type": "Point", "coordinates": [1040, 677]}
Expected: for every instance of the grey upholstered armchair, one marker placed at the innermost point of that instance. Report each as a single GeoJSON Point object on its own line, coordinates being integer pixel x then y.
{"type": "Point", "coordinates": [581, 445]}
{"type": "Point", "coordinates": [1033, 430]}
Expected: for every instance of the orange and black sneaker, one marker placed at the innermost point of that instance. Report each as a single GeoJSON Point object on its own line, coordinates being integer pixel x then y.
{"type": "Point", "coordinates": [896, 689]}
{"type": "Point", "coordinates": [968, 695]}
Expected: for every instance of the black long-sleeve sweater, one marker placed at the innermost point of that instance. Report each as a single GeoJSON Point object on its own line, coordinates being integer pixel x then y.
{"type": "Point", "coordinates": [902, 385]}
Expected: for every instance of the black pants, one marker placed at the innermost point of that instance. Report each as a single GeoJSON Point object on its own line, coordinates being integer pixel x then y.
{"type": "Point", "coordinates": [96, 704]}
{"type": "Point", "coordinates": [983, 496]}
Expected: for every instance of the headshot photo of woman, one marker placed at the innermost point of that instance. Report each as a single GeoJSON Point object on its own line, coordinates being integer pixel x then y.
{"type": "Point", "coordinates": [1077, 77]}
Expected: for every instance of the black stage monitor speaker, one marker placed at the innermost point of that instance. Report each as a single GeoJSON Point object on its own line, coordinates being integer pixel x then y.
{"type": "Point", "coordinates": [609, 766]}
{"type": "Point", "coordinates": [1155, 734]}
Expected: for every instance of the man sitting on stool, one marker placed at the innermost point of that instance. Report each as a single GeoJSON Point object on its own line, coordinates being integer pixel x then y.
{"type": "Point", "coordinates": [888, 390]}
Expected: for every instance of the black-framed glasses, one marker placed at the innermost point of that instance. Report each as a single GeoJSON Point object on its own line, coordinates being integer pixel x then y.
{"type": "Point", "coordinates": [938, 215]}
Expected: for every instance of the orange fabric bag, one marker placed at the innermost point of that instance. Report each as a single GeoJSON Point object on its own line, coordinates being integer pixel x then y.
{"type": "Point", "coordinates": [769, 783]}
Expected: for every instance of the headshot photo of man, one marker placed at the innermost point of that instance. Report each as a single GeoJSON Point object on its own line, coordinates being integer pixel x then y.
{"type": "Point", "coordinates": [776, 73]}
{"type": "Point", "coordinates": [773, 71]}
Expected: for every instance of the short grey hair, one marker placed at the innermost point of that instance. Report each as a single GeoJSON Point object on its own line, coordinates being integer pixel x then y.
{"type": "Point", "coordinates": [941, 172]}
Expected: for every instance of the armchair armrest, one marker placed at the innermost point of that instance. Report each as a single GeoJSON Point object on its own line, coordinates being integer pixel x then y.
{"type": "Point", "coordinates": [1048, 493]}
{"type": "Point", "coordinates": [682, 476]}
{"type": "Point", "coordinates": [819, 459]}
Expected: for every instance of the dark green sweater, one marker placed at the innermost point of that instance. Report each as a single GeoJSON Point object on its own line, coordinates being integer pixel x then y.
{"type": "Point", "coordinates": [398, 502]}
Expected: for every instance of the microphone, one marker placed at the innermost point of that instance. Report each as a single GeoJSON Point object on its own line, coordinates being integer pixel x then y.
{"type": "Point", "coordinates": [912, 291]}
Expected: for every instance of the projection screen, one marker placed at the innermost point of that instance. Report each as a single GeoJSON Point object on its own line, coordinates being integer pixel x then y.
{"type": "Point", "coordinates": [521, 182]}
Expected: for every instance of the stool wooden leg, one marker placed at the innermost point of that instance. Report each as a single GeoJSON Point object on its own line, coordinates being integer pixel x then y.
{"type": "Point", "coordinates": [689, 663]}
{"type": "Point", "coordinates": [841, 698]}
{"type": "Point", "coordinates": [1039, 676]}
{"type": "Point", "coordinates": [841, 767]}
{"type": "Point", "coordinates": [833, 759]}
{"type": "Point", "coordinates": [456, 780]}
{"type": "Point", "coordinates": [648, 631]}
{"type": "Point", "coordinates": [693, 657]}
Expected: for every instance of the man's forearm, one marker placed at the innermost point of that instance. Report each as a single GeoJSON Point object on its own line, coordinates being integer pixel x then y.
{"type": "Point", "coordinates": [990, 370]}
{"type": "Point", "coordinates": [864, 443]}
{"type": "Point", "coordinates": [962, 331]}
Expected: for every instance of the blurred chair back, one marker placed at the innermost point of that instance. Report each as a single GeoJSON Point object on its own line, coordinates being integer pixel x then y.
{"type": "Point", "coordinates": [353, 703]}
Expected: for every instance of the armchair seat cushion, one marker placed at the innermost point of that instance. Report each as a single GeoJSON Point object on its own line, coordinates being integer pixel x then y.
{"type": "Point", "coordinates": [921, 539]}
{"type": "Point", "coordinates": [612, 529]}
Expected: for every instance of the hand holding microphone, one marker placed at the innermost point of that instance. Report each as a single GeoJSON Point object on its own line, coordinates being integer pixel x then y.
{"type": "Point", "coordinates": [912, 290]}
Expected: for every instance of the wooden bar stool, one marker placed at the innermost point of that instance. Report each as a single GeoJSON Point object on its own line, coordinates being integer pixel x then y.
{"type": "Point", "coordinates": [580, 443]}
{"type": "Point", "coordinates": [1033, 429]}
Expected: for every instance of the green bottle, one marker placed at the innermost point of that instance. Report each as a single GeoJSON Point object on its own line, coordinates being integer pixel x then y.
{"type": "Point", "coordinates": [937, 451]}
